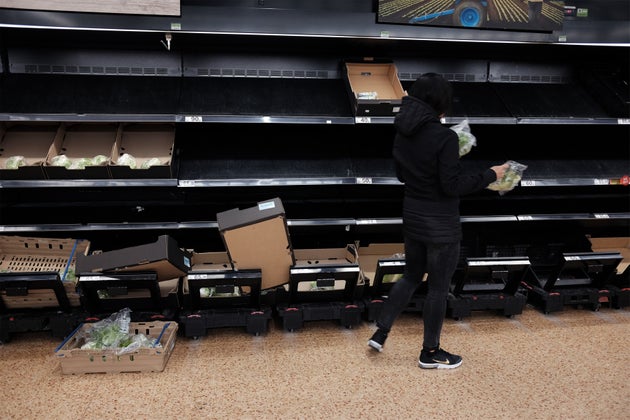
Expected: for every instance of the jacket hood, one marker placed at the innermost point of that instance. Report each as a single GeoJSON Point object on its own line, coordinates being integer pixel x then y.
{"type": "Point", "coordinates": [413, 114]}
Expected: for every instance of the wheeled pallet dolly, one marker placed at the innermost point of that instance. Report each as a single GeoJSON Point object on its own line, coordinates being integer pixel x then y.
{"type": "Point", "coordinates": [578, 279]}
{"type": "Point", "coordinates": [388, 271]}
{"type": "Point", "coordinates": [102, 294]}
{"type": "Point", "coordinates": [223, 298]}
{"type": "Point", "coordinates": [325, 292]}
{"type": "Point", "coordinates": [490, 283]}
{"type": "Point", "coordinates": [55, 314]}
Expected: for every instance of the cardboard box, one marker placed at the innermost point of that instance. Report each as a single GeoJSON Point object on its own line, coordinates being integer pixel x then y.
{"type": "Point", "coordinates": [163, 257]}
{"type": "Point", "coordinates": [258, 237]}
{"type": "Point", "coordinates": [82, 141]}
{"type": "Point", "coordinates": [147, 143]}
{"type": "Point", "coordinates": [374, 88]}
{"type": "Point", "coordinates": [27, 255]}
{"type": "Point", "coordinates": [74, 360]}
{"type": "Point", "coordinates": [31, 142]}
{"type": "Point", "coordinates": [371, 254]}
{"type": "Point", "coordinates": [614, 244]}
{"type": "Point", "coordinates": [324, 257]}
{"type": "Point", "coordinates": [206, 262]}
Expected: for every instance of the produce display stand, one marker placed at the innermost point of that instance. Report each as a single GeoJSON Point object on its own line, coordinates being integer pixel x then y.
{"type": "Point", "coordinates": [619, 282]}
{"type": "Point", "coordinates": [35, 302]}
{"type": "Point", "coordinates": [223, 298]}
{"type": "Point", "coordinates": [37, 285]}
{"type": "Point", "coordinates": [388, 271]}
{"type": "Point", "coordinates": [490, 283]}
{"type": "Point", "coordinates": [102, 294]}
{"type": "Point", "coordinates": [578, 279]}
{"type": "Point", "coordinates": [324, 292]}
{"type": "Point", "coordinates": [620, 289]}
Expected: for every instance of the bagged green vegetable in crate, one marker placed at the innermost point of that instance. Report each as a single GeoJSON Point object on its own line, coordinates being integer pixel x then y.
{"type": "Point", "coordinates": [113, 333]}
{"type": "Point", "coordinates": [466, 139]}
{"type": "Point", "coordinates": [510, 179]}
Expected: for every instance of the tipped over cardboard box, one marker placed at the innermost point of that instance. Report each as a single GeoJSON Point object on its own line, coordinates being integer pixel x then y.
{"type": "Point", "coordinates": [258, 237]}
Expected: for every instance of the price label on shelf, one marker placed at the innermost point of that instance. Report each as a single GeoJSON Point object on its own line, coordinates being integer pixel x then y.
{"type": "Point", "coordinates": [193, 118]}
{"type": "Point", "coordinates": [364, 180]}
{"type": "Point", "coordinates": [362, 120]}
{"type": "Point", "coordinates": [599, 181]}
{"type": "Point", "coordinates": [367, 222]}
{"type": "Point", "coordinates": [601, 216]}
{"type": "Point", "coordinates": [528, 183]}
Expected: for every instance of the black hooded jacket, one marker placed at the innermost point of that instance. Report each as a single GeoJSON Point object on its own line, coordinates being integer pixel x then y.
{"type": "Point", "coordinates": [426, 154]}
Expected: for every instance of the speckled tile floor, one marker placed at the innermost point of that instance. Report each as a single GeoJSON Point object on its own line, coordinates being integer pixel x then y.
{"type": "Point", "coordinates": [572, 364]}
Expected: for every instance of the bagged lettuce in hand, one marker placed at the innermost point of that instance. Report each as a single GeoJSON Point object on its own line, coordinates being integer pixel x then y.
{"type": "Point", "coordinates": [511, 178]}
{"type": "Point", "coordinates": [466, 139]}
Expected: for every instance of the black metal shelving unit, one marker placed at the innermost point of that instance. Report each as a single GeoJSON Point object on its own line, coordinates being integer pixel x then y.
{"type": "Point", "coordinates": [262, 112]}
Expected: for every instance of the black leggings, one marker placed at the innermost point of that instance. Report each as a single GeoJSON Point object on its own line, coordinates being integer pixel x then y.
{"type": "Point", "coordinates": [440, 262]}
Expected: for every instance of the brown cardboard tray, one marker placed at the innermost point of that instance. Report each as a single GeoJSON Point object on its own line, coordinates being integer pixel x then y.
{"type": "Point", "coordinates": [325, 257]}
{"type": "Point", "coordinates": [145, 142]}
{"type": "Point", "coordinates": [370, 255]}
{"type": "Point", "coordinates": [74, 360]}
{"type": "Point", "coordinates": [614, 244]}
{"type": "Point", "coordinates": [30, 141]}
{"type": "Point", "coordinates": [378, 78]}
{"type": "Point", "coordinates": [80, 141]}
{"type": "Point", "coordinates": [207, 261]}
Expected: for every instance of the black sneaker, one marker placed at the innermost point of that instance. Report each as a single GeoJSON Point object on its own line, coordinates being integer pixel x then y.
{"type": "Point", "coordinates": [378, 340]}
{"type": "Point", "coordinates": [438, 359]}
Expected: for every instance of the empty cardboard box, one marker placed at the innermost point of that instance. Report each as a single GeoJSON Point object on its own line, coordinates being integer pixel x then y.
{"type": "Point", "coordinates": [258, 237]}
{"type": "Point", "coordinates": [370, 255]}
{"type": "Point", "coordinates": [163, 257]}
{"type": "Point", "coordinates": [614, 244]}
{"type": "Point", "coordinates": [374, 89]}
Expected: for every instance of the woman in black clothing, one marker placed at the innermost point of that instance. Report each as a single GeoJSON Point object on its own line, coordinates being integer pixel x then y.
{"type": "Point", "coordinates": [426, 154]}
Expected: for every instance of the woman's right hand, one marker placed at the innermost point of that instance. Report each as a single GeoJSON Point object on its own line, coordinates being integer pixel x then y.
{"type": "Point", "coordinates": [499, 170]}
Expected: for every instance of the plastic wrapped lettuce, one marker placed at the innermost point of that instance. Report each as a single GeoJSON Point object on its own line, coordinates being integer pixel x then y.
{"type": "Point", "coordinates": [466, 139]}
{"type": "Point", "coordinates": [511, 178]}
{"type": "Point", "coordinates": [113, 333]}
{"type": "Point", "coordinates": [80, 163]}
{"type": "Point", "coordinates": [99, 160]}
{"type": "Point", "coordinates": [60, 160]}
{"type": "Point", "coordinates": [15, 162]}
{"type": "Point", "coordinates": [151, 162]}
{"type": "Point", "coordinates": [127, 160]}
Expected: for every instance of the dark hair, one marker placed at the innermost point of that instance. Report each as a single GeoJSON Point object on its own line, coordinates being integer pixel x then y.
{"type": "Point", "coordinates": [435, 90]}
